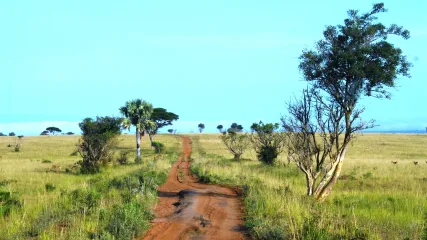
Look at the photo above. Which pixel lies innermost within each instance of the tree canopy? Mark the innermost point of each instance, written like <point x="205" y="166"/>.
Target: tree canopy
<point x="53" y="130"/>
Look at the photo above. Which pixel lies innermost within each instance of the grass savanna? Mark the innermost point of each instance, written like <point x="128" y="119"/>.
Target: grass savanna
<point x="53" y="200"/>
<point x="373" y="199"/>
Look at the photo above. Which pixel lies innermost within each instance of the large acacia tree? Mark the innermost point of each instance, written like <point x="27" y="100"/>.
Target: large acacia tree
<point x="353" y="60"/>
<point x="161" y="117"/>
<point x="137" y="113"/>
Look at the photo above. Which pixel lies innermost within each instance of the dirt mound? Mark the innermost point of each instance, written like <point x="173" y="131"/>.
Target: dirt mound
<point x="188" y="209"/>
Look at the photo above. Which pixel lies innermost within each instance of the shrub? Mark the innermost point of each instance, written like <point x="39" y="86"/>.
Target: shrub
<point x="49" y="187"/>
<point x="8" y="202"/>
<point x="235" y="143"/>
<point x="268" y="142"/>
<point x="46" y="161"/>
<point x="126" y="221"/>
<point x="158" y="147"/>
<point x="85" y="201"/>
<point x="99" y="137"/>
<point x="123" y="158"/>
<point x="12" y="134"/>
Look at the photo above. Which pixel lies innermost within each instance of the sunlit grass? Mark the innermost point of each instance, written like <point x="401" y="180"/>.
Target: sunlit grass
<point x="26" y="173"/>
<point x="374" y="198"/>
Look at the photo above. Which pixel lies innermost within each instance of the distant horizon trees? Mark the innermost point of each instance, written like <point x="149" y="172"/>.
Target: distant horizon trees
<point x="53" y="130"/>
<point x="201" y="127"/>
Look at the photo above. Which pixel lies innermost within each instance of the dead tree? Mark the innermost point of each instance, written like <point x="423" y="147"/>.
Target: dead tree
<point x="317" y="139"/>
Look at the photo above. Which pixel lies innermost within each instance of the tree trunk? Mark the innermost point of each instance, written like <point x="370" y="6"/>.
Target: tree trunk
<point x="310" y="184"/>
<point x="138" y="144"/>
<point x="237" y="157"/>
<point x="323" y="192"/>
<point x="151" y="136"/>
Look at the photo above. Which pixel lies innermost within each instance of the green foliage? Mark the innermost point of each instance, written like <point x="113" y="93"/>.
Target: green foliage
<point x="127" y="221"/>
<point x="123" y="158"/>
<point x="219" y="127"/>
<point x="137" y="113"/>
<point x="161" y="117"/>
<point x="8" y="203"/>
<point x="46" y="161"/>
<point x="12" y="134"/>
<point x="99" y="137"/>
<point x="53" y="130"/>
<point x="44" y="133"/>
<point x="424" y="231"/>
<point x="49" y="187"/>
<point x="268" y="142"/>
<point x="236" y="143"/>
<point x="355" y="58"/>
<point x="158" y="147"/>
<point x="85" y="200"/>
<point x="201" y="127"/>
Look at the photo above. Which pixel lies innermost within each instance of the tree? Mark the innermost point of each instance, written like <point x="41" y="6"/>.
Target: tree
<point x="236" y="143"/>
<point x="53" y="130"/>
<point x="235" y="128"/>
<point x="161" y="118"/>
<point x="170" y="130"/>
<point x="98" y="139"/>
<point x="137" y="113"/>
<point x="2" y="134"/>
<point x="70" y="133"/>
<point x="253" y="126"/>
<point x="219" y="127"/>
<point x="352" y="60"/>
<point x="268" y="141"/>
<point x="201" y="127"/>
<point x="44" y="133"/>
<point x="12" y="134"/>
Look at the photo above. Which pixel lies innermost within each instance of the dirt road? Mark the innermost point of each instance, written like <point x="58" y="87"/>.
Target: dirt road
<point x="188" y="209"/>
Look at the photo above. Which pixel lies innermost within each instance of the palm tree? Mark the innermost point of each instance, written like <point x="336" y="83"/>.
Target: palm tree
<point x="137" y="113"/>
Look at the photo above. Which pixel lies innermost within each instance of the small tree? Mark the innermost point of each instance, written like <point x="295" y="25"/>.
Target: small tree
<point x="2" y="134"/>
<point x="12" y="134"/>
<point x="219" y="127"/>
<point x="235" y="128"/>
<point x="44" y="133"/>
<point x="96" y="144"/>
<point x="137" y="113"/>
<point x="70" y="133"/>
<point x="268" y="141"/>
<point x="352" y="60"/>
<point x="236" y="143"/>
<point x="161" y="118"/>
<point x="53" y="130"/>
<point x="170" y="130"/>
<point x="201" y="127"/>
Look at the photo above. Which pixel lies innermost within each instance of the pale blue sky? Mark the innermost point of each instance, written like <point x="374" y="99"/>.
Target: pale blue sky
<point x="208" y="61"/>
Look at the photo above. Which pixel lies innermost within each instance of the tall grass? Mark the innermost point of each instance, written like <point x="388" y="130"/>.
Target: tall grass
<point x="59" y="203"/>
<point x="374" y="199"/>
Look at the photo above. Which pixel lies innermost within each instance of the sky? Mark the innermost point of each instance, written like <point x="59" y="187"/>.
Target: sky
<point x="215" y="62"/>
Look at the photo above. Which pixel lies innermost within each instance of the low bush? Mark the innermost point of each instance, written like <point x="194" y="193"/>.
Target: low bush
<point x="49" y="187"/>
<point x="158" y="147"/>
<point x="123" y="158"/>
<point x="8" y="203"/>
<point x="46" y="161"/>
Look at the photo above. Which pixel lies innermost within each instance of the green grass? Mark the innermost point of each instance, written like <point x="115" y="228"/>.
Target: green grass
<point x="374" y="199"/>
<point x="61" y="205"/>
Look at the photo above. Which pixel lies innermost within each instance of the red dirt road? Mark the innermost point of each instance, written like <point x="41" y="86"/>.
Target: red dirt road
<point x="188" y="209"/>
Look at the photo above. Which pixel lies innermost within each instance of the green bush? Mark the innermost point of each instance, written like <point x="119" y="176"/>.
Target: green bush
<point x="85" y="201"/>
<point x="99" y="137"/>
<point x="123" y="158"/>
<point x="127" y="221"/>
<point x="8" y="202"/>
<point x="46" y="161"/>
<point x="49" y="187"/>
<point x="158" y="147"/>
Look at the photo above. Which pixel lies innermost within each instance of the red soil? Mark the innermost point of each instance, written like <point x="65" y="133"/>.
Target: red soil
<point x="188" y="209"/>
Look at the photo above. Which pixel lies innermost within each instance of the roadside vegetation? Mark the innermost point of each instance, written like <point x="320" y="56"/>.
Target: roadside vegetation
<point x="44" y="195"/>
<point x="373" y="199"/>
